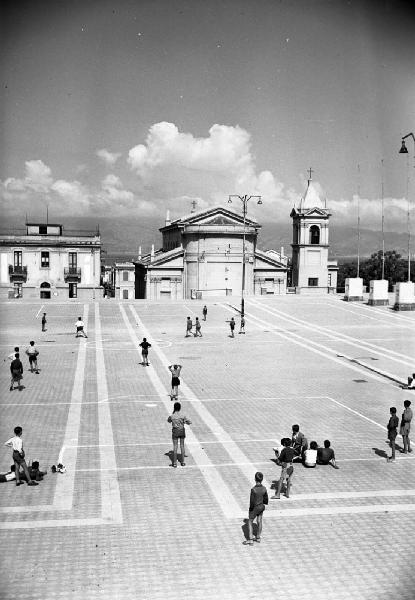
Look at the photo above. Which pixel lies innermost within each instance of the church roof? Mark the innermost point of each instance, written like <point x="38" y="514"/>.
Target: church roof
<point x="216" y="215"/>
<point x="311" y="198"/>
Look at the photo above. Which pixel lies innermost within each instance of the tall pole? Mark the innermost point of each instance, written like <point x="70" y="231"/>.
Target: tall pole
<point x="244" y="202"/>
<point x="358" y="221"/>
<point x="404" y="150"/>
<point x="383" y="223"/>
<point x="244" y="199"/>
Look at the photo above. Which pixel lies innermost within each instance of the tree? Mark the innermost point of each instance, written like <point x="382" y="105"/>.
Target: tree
<point x="394" y="268"/>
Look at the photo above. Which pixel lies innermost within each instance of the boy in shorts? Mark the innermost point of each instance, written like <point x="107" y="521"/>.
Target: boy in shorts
<point x="257" y="502"/>
<point x="392" y="432"/>
<point x="80" y="328"/>
<point x="145" y="345"/>
<point x="286" y="461"/>
<point x="16" y="443"/>
<point x="32" y="353"/>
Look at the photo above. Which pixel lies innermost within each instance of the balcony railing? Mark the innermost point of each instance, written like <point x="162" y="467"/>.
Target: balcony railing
<point x="17" y="273"/>
<point x="72" y="274"/>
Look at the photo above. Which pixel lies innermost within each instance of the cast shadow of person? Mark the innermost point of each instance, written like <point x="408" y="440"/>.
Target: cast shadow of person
<point x="245" y="529"/>
<point x="381" y="453"/>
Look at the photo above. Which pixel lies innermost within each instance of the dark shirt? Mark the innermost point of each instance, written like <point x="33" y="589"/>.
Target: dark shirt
<point x="287" y="455"/>
<point x="392" y="425"/>
<point x="325" y="455"/>
<point x="43" y="320"/>
<point x="259" y="496"/>
<point x="16" y="365"/>
<point x="232" y="324"/>
<point x="145" y="346"/>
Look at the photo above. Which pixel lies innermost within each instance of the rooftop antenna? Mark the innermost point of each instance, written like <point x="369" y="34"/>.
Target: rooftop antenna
<point x="358" y="220"/>
<point x="47" y="214"/>
<point x="383" y="221"/>
<point x="193" y="203"/>
<point x="408" y="219"/>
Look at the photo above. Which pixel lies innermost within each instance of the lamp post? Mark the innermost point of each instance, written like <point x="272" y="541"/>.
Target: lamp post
<point x="404" y="150"/>
<point x="244" y="199"/>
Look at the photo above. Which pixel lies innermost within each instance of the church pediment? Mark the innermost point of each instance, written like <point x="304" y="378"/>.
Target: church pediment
<point x="216" y="216"/>
<point x="315" y="212"/>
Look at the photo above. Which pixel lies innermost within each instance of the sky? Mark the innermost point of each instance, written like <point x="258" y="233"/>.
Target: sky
<point x="127" y="108"/>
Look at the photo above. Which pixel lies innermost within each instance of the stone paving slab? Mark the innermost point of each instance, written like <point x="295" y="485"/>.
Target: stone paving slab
<point x="174" y="540"/>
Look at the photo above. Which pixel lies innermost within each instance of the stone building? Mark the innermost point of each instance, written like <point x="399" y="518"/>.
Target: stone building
<point x="311" y="270"/>
<point x="124" y="280"/>
<point x="45" y="262"/>
<point x="202" y="256"/>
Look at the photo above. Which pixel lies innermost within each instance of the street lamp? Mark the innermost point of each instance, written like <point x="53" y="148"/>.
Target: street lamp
<point x="404" y="150"/>
<point x="244" y="199"/>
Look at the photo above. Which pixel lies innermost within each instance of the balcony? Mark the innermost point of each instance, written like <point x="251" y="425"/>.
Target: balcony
<point x="72" y="274"/>
<point x="18" y="274"/>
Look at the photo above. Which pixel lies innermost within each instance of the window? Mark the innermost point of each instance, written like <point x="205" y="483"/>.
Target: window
<point x="314" y="234"/>
<point x="18" y="258"/>
<point x="313" y="282"/>
<point x="329" y="279"/>
<point x="44" y="260"/>
<point x="125" y="275"/>
<point x="45" y="290"/>
<point x="125" y="294"/>
<point x="43" y="229"/>
<point x="73" y="290"/>
<point x="73" y="260"/>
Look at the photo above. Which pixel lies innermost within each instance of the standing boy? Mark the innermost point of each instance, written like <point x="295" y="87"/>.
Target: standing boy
<point x="189" y="326"/>
<point x="257" y="502"/>
<point x="80" y="328"/>
<point x="232" y="326"/>
<point x="32" y="353"/>
<point x="12" y="356"/>
<point x="145" y="345"/>
<point x="44" y="322"/>
<point x="392" y="432"/>
<point x="406" y="427"/>
<point x="286" y="461"/>
<point x="204" y="312"/>
<point x="198" y="326"/>
<point x="16" y="443"/>
<point x="242" y="327"/>
<point x="16" y="370"/>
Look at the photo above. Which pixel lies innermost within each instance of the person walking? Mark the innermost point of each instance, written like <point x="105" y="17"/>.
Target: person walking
<point x="80" y="328"/>
<point x="178" y="421"/>
<point x="242" y="327"/>
<point x="204" y="311"/>
<point x="198" y="326"/>
<point x="32" y="353"/>
<point x="232" y="326"/>
<point x="405" y="427"/>
<point x="175" y="380"/>
<point x="44" y="322"/>
<point x="257" y="501"/>
<point x="16" y="443"/>
<point x="145" y="345"/>
<point x="16" y="370"/>
<point x="189" y="326"/>
<point x="392" y="432"/>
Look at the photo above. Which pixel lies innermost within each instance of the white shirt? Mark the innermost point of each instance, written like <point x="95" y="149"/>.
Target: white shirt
<point x="310" y="457"/>
<point x="12" y="356"/>
<point x="79" y="324"/>
<point x="15" y="442"/>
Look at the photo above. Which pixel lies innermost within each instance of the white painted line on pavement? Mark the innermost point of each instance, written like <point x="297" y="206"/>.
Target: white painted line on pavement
<point x="39" y="311"/>
<point x="217" y="485"/>
<point x="403" y="359"/>
<point x="332" y="510"/>
<point x="110" y="491"/>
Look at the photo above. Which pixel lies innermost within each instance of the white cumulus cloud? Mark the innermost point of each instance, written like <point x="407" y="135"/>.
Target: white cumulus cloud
<point x="109" y="158"/>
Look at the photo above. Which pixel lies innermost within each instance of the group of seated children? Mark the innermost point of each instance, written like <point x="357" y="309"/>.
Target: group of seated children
<point x="296" y="449"/>
<point x="35" y="473"/>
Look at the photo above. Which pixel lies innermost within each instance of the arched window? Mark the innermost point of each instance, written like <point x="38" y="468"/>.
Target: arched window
<point x="314" y="234"/>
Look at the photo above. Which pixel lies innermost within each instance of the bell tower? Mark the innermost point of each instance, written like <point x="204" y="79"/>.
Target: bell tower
<point x="310" y="244"/>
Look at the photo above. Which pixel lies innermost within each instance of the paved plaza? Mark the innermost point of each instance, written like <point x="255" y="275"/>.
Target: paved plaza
<point x="121" y="523"/>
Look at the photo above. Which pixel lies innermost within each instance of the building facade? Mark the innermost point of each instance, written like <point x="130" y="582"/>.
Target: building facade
<point x="46" y="263"/>
<point x="311" y="270"/>
<point x="202" y="256"/>
<point x="124" y="280"/>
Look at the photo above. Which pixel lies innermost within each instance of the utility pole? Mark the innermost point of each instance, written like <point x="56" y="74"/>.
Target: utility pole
<point x="244" y="199"/>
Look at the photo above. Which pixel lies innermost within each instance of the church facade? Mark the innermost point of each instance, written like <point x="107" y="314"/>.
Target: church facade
<point x="312" y="272"/>
<point x="202" y="256"/>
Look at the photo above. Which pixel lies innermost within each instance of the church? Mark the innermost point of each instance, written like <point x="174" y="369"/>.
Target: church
<point x="214" y="252"/>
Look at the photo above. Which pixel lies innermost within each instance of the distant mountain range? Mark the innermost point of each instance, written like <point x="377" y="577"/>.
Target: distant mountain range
<point x="121" y="237"/>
